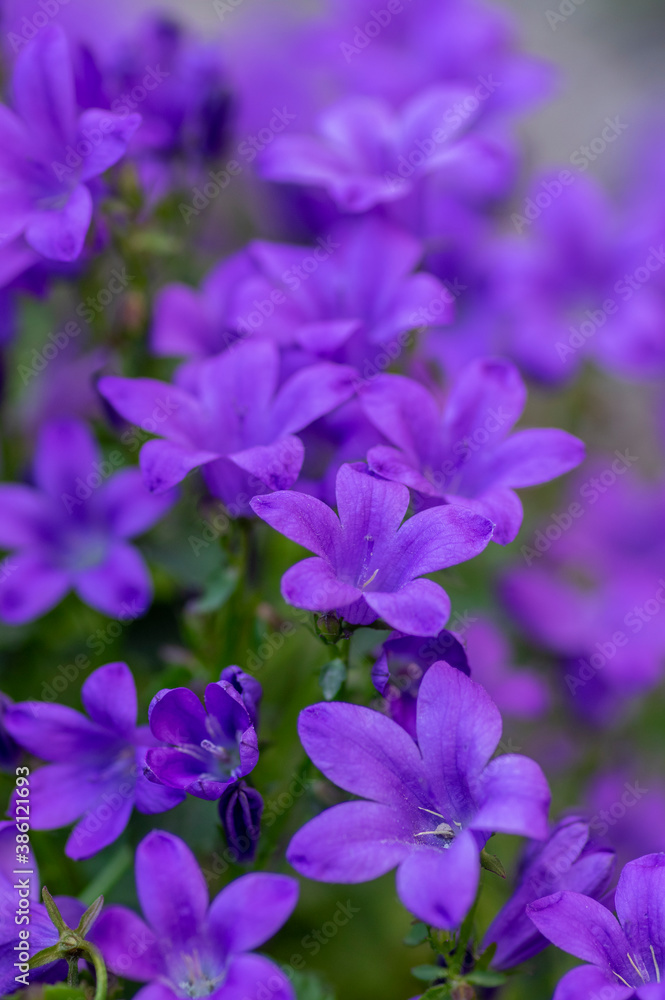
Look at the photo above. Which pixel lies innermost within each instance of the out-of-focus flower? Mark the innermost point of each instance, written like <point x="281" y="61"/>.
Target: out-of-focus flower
<point x="95" y="775"/>
<point x="628" y="810"/>
<point x="240" y="810"/>
<point x="570" y="859"/>
<point x="431" y="806"/>
<point x="366" y="565"/>
<point x="71" y="530"/>
<point x="190" y="947"/>
<point x="626" y="956"/>
<point x="229" y="416"/>
<point x="516" y="692"/>
<point x="50" y="152"/>
<point x="466" y="455"/>
<point x="207" y="749"/>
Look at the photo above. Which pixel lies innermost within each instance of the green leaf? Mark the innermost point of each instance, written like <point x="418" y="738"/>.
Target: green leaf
<point x="437" y="993"/>
<point x="60" y="991"/>
<point x="483" y="977"/>
<point x="217" y="592"/>
<point x="53" y="911"/>
<point x="417" y="935"/>
<point x="308" y="986"/>
<point x="428" y="973"/>
<point x="491" y="863"/>
<point x="331" y="678"/>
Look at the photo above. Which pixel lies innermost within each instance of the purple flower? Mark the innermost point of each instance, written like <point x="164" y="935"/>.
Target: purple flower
<point x="431" y="806"/>
<point x="230" y="417"/>
<point x="626" y="956"/>
<point x="341" y="298"/>
<point x="240" y="810"/>
<point x="366" y="565"/>
<point x="190" y="948"/>
<point x="520" y="693"/>
<point x="466" y="455"/>
<point x="50" y="152"/>
<point x="71" y="530"/>
<point x="208" y="748"/>
<point x="401" y="665"/>
<point x="248" y="688"/>
<point x="365" y="153"/>
<point x="628" y="813"/>
<point x="96" y="770"/>
<point x="570" y="859"/>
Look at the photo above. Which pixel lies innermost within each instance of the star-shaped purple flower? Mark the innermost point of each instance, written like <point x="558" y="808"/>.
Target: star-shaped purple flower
<point x="188" y="947"/>
<point x="366" y="565"/>
<point x="208" y="748"/>
<point x="365" y="153"/>
<point x="49" y="152"/>
<point x="229" y="415"/>
<point x="431" y="805"/>
<point x="569" y="859"/>
<point x="95" y="775"/>
<point x="71" y="530"/>
<point x="466" y="455"/>
<point x="626" y="956"/>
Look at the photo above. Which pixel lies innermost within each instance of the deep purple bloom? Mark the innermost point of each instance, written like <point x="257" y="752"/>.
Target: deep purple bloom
<point x="249" y="689"/>
<point x="50" y="152"/>
<point x="626" y="956"/>
<point x="365" y="153"/>
<point x="95" y="774"/>
<point x="570" y="859"/>
<point x="342" y="298"/>
<point x="240" y="810"/>
<point x="466" y="454"/>
<point x="431" y="806"/>
<point x="231" y="417"/>
<point x="70" y="530"/>
<point x="208" y="748"/>
<point x="401" y="665"/>
<point x="191" y="948"/>
<point x="366" y="565"/>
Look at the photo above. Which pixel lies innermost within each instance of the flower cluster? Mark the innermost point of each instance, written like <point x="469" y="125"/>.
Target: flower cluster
<point x="320" y="352"/>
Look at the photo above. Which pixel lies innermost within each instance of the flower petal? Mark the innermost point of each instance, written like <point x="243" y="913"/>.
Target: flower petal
<point x="312" y="584"/>
<point x="487" y="389"/>
<point x="584" y="928"/>
<point x="311" y="393"/>
<point x="250" y="910"/>
<point x="29" y="587"/>
<point x="276" y="466"/>
<point x="514" y="797"/>
<point x="304" y="519"/>
<point x="421" y="607"/>
<point x="129" y="507"/>
<point x="177" y="716"/>
<point x="255" y="976"/>
<point x="129" y="947"/>
<point x="405" y="412"/>
<point x="103" y="823"/>
<point x="171" y="890"/>
<point x="437" y="538"/>
<point x="640" y="905"/>
<point x="459" y="727"/>
<point x="23" y="511"/>
<point x="66" y="450"/>
<point x="59" y="234"/>
<point x="43" y="85"/>
<point x="77" y="790"/>
<point x="165" y="463"/>
<point x="363" y="752"/>
<point x="56" y="732"/>
<point x="109" y="697"/>
<point x="536" y="456"/>
<point x="120" y="586"/>
<point x="107" y="134"/>
<point x="439" y="886"/>
<point x="351" y="842"/>
<point x="589" y="983"/>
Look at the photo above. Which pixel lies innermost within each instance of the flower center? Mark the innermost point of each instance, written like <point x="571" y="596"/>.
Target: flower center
<point x="443" y="831"/>
<point x="197" y="982"/>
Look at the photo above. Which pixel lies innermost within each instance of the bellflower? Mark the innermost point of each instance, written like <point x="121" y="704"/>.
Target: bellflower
<point x="466" y="454"/>
<point x="626" y="956"/>
<point x="50" y="152"/>
<point x="191" y="948"/>
<point x="230" y="417"/>
<point x="568" y="860"/>
<point x="628" y="813"/>
<point x="365" y="153"/>
<point x="95" y="770"/>
<point x="366" y="565"/>
<point x="352" y="291"/>
<point x="208" y="748"/>
<point x="516" y="692"/>
<point x="427" y="808"/>
<point x="401" y="665"/>
<point x="71" y="530"/>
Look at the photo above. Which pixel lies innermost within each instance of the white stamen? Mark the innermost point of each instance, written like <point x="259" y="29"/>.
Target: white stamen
<point x="632" y="962"/>
<point x="621" y="978"/>
<point x="655" y="963"/>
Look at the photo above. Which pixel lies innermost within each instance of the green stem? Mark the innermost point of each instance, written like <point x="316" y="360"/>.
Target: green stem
<point x="73" y="972"/>
<point x="100" y="971"/>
